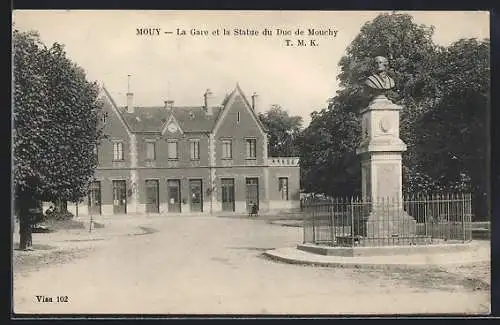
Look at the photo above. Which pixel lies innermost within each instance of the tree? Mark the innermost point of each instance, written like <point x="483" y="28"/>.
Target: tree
<point x="411" y="53"/>
<point x="56" y="113"/>
<point x="327" y="161"/>
<point x="452" y="138"/>
<point x="284" y="131"/>
<point x="444" y="93"/>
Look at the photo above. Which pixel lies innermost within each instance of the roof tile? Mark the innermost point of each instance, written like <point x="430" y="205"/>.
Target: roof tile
<point x="153" y="119"/>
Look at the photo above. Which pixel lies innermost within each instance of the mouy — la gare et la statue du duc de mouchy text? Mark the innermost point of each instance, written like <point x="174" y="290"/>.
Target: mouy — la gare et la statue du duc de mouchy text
<point x="238" y="32"/>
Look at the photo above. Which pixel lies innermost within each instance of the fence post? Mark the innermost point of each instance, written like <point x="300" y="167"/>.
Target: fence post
<point x="303" y="224"/>
<point x="332" y="222"/>
<point x="463" y="216"/>
<point x="352" y="221"/>
<point x="313" y="227"/>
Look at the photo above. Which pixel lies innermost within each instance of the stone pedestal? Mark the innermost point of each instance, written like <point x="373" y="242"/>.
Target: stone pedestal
<point x="381" y="172"/>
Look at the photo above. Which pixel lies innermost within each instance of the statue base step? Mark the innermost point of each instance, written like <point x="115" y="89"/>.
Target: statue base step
<point x="360" y="241"/>
<point x="386" y="223"/>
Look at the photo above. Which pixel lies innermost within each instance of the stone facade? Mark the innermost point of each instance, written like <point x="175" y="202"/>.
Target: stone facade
<point x="381" y="172"/>
<point x="188" y="160"/>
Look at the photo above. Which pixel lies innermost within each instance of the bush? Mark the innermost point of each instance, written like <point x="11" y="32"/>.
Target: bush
<point x="59" y="215"/>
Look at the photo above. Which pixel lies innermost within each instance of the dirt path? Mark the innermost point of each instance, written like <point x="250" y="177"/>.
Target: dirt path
<point x="214" y="265"/>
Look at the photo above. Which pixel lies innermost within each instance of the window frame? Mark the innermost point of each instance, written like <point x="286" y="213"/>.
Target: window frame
<point x="169" y="142"/>
<point x="104" y="117"/>
<point x="194" y="147"/>
<point x="148" y="143"/>
<point x="96" y="152"/>
<point x="248" y="148"/>
<point x="224" y="142"/>
<point x="280" y="188"/>
<point x="115" y="150"/>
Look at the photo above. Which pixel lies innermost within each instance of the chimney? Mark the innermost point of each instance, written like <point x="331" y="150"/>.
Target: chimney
<point x="130" y="97"/>
<point x="130" y="102"/>
<point x="169" y="104"/>
<point x="255" y="99"/>
<point x="209" y="102"/>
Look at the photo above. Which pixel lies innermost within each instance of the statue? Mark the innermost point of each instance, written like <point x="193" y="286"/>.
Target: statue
<point x="380" y="80"/>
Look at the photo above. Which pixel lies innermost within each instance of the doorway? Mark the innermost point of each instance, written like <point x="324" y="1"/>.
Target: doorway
<point x="196" y="196"/>
<point x="227" y="186"/>
<point x="95" y="198"/>
<point x="119" y="197"/>
<point x="252" y="193"/>
<point x="174" y="195"/>
<point x="152" y="204"/>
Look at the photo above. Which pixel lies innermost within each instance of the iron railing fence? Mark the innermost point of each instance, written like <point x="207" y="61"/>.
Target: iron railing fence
<point x="412" y="220"/>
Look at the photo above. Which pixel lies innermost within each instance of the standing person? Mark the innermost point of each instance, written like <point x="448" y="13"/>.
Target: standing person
<point x="255" y="209"/>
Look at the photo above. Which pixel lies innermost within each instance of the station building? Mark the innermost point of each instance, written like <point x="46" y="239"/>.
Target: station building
<point x="168" y="159"/>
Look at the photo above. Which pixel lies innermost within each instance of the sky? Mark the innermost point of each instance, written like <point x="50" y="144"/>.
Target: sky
<point x="181" y="67"/>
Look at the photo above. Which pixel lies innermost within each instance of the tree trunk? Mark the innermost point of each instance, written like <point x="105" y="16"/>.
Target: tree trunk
<point x="25" y="236"/>
<point x="62" y="206"/>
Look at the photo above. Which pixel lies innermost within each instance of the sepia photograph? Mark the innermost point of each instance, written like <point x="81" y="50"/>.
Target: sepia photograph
<point x="204" y="162"/>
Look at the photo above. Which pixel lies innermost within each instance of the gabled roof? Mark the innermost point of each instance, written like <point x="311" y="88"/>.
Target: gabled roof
<point x="189" y="118"/>
<point x="229" y="100"/>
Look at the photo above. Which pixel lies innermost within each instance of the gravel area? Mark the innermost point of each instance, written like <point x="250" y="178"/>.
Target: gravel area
<point x="200" y="265"/>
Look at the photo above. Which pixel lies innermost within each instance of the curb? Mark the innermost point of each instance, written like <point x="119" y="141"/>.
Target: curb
<point x="273" y="255"/>
<point x="143" y="230"/>
<point x="286" y="223"/>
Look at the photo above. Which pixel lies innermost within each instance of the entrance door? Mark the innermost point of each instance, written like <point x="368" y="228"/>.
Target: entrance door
<point x="174" y="195"/>
<point x="227" y="186"/>
<point x="252" y="192"/>
<point x="119" y="197"/>
<point x="196" y="197"/>
<point x="152" y="196"/>
<point x="95" y="198"/>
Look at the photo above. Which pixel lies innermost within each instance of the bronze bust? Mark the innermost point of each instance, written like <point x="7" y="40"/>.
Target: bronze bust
<point x="380" y="80"/>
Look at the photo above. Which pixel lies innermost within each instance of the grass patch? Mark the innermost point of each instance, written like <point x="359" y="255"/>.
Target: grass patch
<point x="63" y="224"/>
<point x="33" y="261"/>
<point x="42" y="247"/>
<point x="148" y="230"/>
<point x="97" y="225"/>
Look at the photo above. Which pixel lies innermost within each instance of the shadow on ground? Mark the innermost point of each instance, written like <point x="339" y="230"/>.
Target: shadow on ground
<point x="473" y="277"/>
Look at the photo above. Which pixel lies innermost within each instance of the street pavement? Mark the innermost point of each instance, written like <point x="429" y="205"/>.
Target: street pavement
<point x="215" y="265"/>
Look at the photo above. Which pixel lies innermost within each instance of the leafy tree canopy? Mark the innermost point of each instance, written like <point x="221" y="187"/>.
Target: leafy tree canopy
<point x="283" y="131"/>
<point x="56" y="122"/>
<point x="444" y="93"/>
